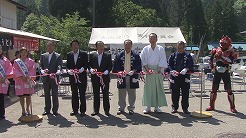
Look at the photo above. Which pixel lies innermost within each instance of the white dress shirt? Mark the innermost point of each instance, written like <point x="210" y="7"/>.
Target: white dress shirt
<point x="99" y="58"/>
<point x="50" y="56"/>
<point x="75" y="56"/>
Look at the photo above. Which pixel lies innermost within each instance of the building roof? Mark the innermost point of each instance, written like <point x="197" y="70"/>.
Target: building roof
<point x="22" y="33"/>
<point x="234" y="45"/>
<point x="18" y="5"/>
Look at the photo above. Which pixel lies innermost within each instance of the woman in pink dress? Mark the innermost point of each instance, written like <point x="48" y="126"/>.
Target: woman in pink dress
<point x="6" y="72"/>
<point x="24" y="72"/>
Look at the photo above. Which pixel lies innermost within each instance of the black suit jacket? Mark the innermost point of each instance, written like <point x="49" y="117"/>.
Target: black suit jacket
<point x="53" y="66"/>
<point x="82" y="61"/>
<point x="106" y="64"/>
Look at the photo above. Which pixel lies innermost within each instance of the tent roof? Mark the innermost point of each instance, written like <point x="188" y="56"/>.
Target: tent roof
<point x="136" y="34"/>
<point x="22" y="33"/>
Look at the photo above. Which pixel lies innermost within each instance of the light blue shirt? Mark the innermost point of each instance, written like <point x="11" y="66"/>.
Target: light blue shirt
<point x="99" y="58"/>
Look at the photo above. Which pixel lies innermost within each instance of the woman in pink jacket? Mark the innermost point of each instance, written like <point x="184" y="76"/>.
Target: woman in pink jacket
<point x="24" y="72"/>
<point x="6" y="71"/>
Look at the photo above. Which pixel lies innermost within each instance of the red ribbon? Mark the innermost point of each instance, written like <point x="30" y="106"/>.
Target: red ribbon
<point x="99" y="74"/>
<point x="120" y="76"/>
<point x="53" y="76"/>
<point x="150" y="71"/>
<point x="142" y="73"/>
<point x="75" y="74"/>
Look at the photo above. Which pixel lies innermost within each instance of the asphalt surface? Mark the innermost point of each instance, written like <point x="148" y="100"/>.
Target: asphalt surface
<point x="223" y="123"/>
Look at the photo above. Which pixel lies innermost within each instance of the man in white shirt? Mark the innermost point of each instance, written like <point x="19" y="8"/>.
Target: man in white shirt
<point x="154" y="62"/>
<point x="50" y="62"/>
<point x="100" y="62"/>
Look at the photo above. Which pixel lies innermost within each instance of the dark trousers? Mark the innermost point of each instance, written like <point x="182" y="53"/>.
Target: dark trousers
<point x="179" y="83"/>
<point x="2" y="108"/>
<point x="12" y="82"/>
<point x="48" y="86"/>
<point x="96" y="92"/>
<point x="76" y="96"/>
<point x="226" y="79"/>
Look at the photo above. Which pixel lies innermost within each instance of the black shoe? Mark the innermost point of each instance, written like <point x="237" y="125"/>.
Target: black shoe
<point x="94" y="113"/>
<point x="120" y="112"/>
<point x="55" y="113"/>
<point x="73" y="113"/>
<point x="131" y="112"/>
<point x="45" y="113"/>
<point x="2" y="117"/>
<point x="107" y="114"/>
<point x="82" y="114"/>
<point x="186" y="112"/>
<point x="174" y="111"/>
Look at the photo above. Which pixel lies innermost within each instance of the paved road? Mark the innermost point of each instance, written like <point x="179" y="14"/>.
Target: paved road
<point x="222" y="124"/>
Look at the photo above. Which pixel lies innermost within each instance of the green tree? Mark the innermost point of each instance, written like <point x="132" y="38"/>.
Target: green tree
<point x="229" y="18"/>
<point x="176" y="12"/>
<point x="159" y="6"/>
<point x="199" y="25"/>
<point x="240" y="11"/>
<point x="215" y="22"/>
<point x="126" y="13"/>
<point x="60" y="8"/>
<point x="103" y="11"/>
<point x="66" y="29"/>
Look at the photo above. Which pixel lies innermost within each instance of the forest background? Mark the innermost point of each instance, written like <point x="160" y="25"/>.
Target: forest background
<point x="73" y="19"/>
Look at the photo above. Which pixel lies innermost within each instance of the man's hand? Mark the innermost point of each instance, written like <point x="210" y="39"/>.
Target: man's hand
<point x="174" y="73"/>
<point x="44" y="72"/>
<point x="105" y="72"/>
<point x="70" y="72"/>
<point x="183" y="72"/>
<point x="81" y="70"/>
<point x="131" y="72"/>
<point x="58" y="72"/>
<point x="92" y="71"/>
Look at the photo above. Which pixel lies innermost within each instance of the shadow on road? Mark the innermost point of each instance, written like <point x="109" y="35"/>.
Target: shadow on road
<point x="5" y="125"/>
<point x="59" y="121"/>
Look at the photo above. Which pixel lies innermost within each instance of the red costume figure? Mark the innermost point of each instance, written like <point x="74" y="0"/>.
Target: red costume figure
<point x="222" y="56"/>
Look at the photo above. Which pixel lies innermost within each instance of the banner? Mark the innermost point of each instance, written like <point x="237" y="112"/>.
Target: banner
<point x="30" y="43"/>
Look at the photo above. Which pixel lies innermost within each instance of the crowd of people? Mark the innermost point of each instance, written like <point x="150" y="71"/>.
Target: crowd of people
<point x="129" y="67"/>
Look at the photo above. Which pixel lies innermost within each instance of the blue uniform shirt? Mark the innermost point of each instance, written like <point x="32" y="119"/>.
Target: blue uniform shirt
<point x="178" y="61"/>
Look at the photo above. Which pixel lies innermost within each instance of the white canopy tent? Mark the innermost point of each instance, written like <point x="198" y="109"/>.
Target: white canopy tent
<point x="115" y="37"/>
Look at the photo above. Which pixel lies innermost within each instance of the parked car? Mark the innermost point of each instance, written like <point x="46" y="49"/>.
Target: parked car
<point x="204" y="64"/>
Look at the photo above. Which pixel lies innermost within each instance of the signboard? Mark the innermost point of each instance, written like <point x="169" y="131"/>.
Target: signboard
<point x="30" y="43"/>
<point x="6" y="42"/>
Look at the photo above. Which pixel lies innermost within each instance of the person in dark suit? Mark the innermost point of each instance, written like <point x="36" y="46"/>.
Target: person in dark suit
<point x="77" y="61"/>
<point x="50" y="62"/>
<point x="100" y="62"/>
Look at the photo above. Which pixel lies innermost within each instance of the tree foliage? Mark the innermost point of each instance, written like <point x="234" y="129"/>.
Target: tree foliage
<point x="60" y="8"/>
<point x="240" y="11"/>
<point x="195" y="17"/>
<point x="66" y="29"/>
<point x="123" y="15"/>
